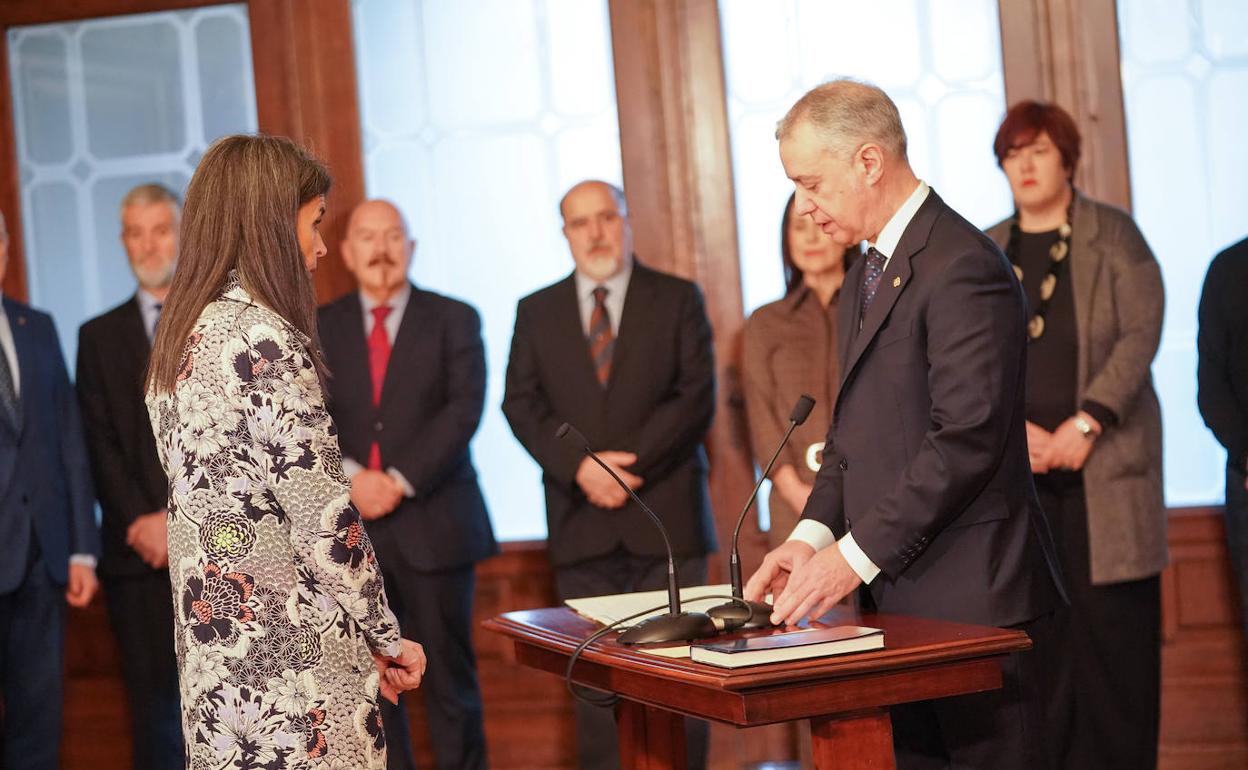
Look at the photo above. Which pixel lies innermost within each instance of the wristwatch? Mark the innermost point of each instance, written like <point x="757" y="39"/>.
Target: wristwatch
<point x="1085" y="428"/>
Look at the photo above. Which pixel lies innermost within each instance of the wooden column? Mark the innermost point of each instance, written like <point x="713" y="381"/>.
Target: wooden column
<point x="678" y="177"/>
<point x="1066" y="52"/>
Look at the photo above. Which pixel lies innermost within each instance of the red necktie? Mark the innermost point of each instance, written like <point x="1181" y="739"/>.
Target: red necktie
<point x="378" y="358"/>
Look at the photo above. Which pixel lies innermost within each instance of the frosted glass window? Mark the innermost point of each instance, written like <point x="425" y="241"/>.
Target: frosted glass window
<point x="99" y="107"/>
<point x="1185" y="89"/>
<point x="941" y="65"/>
<point x="476" y="118"/>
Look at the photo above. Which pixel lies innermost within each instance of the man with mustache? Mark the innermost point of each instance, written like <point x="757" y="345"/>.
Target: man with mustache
<point x="623" y="353"/>
<point x="132" y="488"/>
<point x="407" y="390"/>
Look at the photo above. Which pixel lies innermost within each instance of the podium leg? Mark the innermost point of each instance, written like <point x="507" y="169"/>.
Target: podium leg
<point x="650" y="738"/>
<point x="862" y="740"/>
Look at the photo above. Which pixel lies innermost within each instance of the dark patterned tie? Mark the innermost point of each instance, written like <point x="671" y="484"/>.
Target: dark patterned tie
<point x="601" y="340"/>
<point x="10" y="406"/>
<point x="873" y="269"/>
<point x="156" y="321"/>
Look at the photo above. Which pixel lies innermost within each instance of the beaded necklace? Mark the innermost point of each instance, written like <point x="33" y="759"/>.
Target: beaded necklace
<point x="1058" y="254"/>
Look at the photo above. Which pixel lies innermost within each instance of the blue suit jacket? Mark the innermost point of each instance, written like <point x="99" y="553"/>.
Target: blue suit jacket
<point x="45" y="478"/>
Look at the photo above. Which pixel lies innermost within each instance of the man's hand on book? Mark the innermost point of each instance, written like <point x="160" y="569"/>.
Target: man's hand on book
<point x="777" y="567"/>
<point x="815" y="586"/>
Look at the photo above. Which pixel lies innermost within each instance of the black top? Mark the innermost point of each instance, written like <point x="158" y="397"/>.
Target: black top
<point x="1222" y="341"/>
<point x="1052" y="360"/>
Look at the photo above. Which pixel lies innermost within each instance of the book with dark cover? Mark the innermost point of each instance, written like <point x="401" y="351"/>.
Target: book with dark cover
<point x="788" y="645"/>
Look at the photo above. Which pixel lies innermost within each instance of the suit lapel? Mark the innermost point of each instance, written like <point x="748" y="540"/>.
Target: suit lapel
<point x="405" y="339"/>
<point x="352" y="377"/>
<point x="568" y="334"/>
<point x="23" y="345"/>
<point x="1084" y="264"/>
<point x="134" y="335"/>
<point x="892" y="283"/>
<point x="633" y="320"/>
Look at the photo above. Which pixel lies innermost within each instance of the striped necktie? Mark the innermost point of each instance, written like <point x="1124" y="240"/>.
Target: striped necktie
<point x="601" y="339"/>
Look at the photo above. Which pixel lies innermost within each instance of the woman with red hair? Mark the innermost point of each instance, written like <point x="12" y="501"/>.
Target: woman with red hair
<point x="1094" y="311"/>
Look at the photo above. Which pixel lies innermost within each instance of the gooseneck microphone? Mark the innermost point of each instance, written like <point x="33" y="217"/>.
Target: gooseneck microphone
<point x="740" y="613"/>
<point x="675" y="625"/>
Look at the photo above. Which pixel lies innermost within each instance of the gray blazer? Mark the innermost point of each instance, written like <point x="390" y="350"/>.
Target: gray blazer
<point x="1119" y="303"/>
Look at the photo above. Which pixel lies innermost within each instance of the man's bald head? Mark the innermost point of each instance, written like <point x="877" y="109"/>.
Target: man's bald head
<point x="593" y="184"/>
<point x="377" y="249"/>
<point x="595" y="222"/>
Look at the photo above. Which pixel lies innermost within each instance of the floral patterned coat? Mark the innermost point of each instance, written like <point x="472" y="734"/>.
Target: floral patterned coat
<point x="278" y="599"/>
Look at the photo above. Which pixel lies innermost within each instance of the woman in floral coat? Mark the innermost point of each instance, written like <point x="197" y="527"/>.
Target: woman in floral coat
<point x="283" y="633"/>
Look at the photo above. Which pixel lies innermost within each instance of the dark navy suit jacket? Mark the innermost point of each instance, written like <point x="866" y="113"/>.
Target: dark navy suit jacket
<point x="45" y="478"/>
<point x="926" y="460"/>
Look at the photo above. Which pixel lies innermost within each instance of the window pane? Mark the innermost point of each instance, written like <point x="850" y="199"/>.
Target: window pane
<point x="476" y="118"/>
<point x="1185" y="89"/>
<point x="942" y="67"/>
<point x="99" y="107"/>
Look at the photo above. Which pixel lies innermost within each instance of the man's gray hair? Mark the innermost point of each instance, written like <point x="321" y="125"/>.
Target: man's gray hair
<point x="615" y="191"/>
<point x="148" y="194"/>
<point x="848" y="113"/>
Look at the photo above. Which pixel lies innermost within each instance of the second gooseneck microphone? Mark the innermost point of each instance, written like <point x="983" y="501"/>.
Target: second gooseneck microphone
<point x="740" y="613"/>
<point x="675" y="625"/>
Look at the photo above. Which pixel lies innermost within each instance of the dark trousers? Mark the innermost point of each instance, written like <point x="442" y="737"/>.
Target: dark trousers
<point x="32" y="658"/>
<point x="1111" y="636"/>
<point x="1001" y="729"/>
<point x="435" y="609"/>
<point x="597" y="743"/>
<point x="1237" y="537"/>
<point x="140" y="608"/>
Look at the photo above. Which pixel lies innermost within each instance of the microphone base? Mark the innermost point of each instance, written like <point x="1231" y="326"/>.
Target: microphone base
<point x="670" y="628"/>
<point x="742" y="614"/>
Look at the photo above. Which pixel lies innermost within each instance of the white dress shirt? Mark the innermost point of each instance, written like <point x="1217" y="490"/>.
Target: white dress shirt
<point x="617" y="289"/>
<point x="817" y="534"/>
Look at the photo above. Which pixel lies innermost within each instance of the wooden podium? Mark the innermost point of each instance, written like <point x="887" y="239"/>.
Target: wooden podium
<point x="846" y="697"/>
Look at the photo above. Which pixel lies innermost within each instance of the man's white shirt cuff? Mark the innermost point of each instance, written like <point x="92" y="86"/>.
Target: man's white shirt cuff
<point x="85" y="559"/>
<point x="818" y="536"/>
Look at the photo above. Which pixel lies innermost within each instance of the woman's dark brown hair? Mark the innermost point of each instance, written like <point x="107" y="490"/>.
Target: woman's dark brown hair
<point x="793" y="275"/>
<point x="1027" y="120"/>
<point x="240" y="214"/>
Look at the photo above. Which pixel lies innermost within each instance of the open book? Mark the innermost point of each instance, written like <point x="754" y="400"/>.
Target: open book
<point x="609" y="609"/>
<point x="788" y="645"/>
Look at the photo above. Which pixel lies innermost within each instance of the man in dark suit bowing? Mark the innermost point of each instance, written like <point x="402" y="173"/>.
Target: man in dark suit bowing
<point x="407" y="389"/>
<point x="623" y="353"/>
<point x="48" y="540"/>
<point x="132" y="487"/>
<point x="925" y="492"/>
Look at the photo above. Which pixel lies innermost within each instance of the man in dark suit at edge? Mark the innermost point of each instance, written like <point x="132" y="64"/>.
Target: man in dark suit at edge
<point x="133" y="490"/>
<point x="49" y="543"/>
<point x="925" y="492"/>
<point x="407" y="390"/>
<point x="623" y="353"/>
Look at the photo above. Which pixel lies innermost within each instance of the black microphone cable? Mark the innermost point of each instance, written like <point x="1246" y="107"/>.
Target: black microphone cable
<point x="611" y="700"/>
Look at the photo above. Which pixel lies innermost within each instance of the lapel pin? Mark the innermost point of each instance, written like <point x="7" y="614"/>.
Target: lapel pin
<point x="896" y="281"/>
<point x="21" y="320"/>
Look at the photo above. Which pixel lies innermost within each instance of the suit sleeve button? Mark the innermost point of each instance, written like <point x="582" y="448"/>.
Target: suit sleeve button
<point x="844" y="464"/>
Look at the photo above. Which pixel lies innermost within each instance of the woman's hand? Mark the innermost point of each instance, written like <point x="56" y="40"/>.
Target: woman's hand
<point x="400" y="674"/>
<point x="792" y="489"/>
<point x="1069" y="448"/>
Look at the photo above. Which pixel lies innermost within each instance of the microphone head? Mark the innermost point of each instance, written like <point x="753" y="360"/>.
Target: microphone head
<point x="801" y="410"/>
<point x="569" y="433"/>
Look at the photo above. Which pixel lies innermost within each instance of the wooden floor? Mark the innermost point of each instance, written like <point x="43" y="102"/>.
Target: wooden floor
<point x="529" y="715"/>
